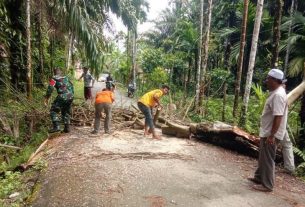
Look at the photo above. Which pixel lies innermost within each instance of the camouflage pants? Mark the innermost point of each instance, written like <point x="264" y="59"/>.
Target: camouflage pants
<point x="63" y="106"/>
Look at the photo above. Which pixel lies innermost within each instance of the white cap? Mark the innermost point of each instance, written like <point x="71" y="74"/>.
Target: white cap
<point x="276" y="73"/>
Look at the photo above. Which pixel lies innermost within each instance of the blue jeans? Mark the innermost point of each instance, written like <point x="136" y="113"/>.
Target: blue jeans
<point x="148" y="115"/>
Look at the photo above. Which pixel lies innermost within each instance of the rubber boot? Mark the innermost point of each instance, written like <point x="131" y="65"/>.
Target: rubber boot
<point x="67" y="128"/>
<point x="55" y="128"/>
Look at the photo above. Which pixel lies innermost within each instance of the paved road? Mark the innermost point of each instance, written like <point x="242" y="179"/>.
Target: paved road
<point x="128" y="169"/>
<point x="121" y="99"/>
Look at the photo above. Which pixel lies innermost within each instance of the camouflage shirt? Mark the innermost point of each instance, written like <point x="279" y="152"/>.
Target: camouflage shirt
<point x="63" y="86"/>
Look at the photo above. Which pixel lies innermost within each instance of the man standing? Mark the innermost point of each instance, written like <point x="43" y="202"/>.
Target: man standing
<point x="109" y="78"/>
<point x="62" y="102"/>
<point x="103" y="102"/>
<point x="88" y="83"/>
<point x="288" y="157"/>
<point x="146" y="103"/>
<point x="272" y="131"/>
<point x="287" y="150"/>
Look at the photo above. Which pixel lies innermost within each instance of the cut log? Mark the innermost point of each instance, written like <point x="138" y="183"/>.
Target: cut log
<point x="180" y="130"/>
<point x="158" y="111"/>
<point x="168" y="130"/>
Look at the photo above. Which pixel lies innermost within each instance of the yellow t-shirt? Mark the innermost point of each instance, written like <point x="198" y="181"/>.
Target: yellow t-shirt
<point x="148" y="98"/>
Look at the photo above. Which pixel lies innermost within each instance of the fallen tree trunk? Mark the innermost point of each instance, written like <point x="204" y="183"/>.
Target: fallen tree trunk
<point x="296" y="93"/>
<point x="217" y="133"/>
<point x="227" y="136"/>
<point x="176" y="130"/>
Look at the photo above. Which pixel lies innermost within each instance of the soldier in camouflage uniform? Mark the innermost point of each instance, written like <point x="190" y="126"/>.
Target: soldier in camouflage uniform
<point x="62" y="102"/>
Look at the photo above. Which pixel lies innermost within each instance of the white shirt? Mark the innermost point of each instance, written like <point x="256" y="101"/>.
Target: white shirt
<point x="276" y="105"/>
<point x="88" y="79"/>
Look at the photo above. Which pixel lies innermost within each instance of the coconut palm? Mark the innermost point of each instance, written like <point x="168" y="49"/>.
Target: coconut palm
<point x="297" y="44"/>
<point x="259" y="13"/>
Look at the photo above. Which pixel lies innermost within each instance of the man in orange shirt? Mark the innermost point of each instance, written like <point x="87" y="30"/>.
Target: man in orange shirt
<point x="146" y="103"/>
<point x="103" y="102"/>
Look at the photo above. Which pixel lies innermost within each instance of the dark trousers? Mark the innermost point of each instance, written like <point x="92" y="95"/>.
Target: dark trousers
<point x="88" y="93"/>
<point x="265" y="171"/>
<point x="148" y="115"/>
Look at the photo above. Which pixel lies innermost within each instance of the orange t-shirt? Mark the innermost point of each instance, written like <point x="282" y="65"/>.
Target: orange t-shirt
<point x="104" y="97"/>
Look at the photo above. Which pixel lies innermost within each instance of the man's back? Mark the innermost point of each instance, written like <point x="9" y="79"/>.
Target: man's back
<point x="105" y="96"/>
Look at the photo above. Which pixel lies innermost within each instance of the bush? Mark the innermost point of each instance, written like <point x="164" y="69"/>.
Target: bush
<point x="10" y="183"/>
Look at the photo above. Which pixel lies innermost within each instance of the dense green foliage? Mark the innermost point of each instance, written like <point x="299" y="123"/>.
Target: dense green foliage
<point x="67" y="34"/>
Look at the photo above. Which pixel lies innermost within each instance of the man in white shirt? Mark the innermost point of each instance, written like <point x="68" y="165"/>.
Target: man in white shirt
<point x="88" y="83"/>
<point x="272" y="131"/>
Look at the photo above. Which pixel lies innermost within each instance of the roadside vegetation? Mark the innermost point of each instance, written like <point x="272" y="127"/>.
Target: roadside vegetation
<point x="196" y="47"/>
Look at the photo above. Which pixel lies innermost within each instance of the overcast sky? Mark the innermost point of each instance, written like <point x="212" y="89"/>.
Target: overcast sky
<point x="156" y="6"/>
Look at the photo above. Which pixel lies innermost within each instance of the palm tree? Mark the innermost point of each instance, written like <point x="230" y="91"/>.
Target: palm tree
<point x="276" y="32"/>
<point x="291" y="11"/>
<point x="296" y="41"/>
<point x="85" y="21"/>
<point x="28" y="50"/>
<point x="259" y="13"/>
<point x="205" y="51"/>
<point x="240" y="57"/>
<point x="199" y="74"/>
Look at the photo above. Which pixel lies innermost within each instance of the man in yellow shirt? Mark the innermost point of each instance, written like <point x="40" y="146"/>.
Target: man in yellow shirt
<point x="146" y="103"/>
<point x="103" y="102"/>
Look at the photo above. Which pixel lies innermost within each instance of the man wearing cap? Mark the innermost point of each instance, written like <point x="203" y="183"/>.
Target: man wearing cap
<point x="272" y="130"/>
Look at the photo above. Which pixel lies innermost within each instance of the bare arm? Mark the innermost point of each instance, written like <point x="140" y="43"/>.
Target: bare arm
<point x="81" y="77"/>
<point x="156" y="99"/>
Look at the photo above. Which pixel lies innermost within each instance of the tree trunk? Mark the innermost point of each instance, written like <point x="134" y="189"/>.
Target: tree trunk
<point x="296" y="93"/>
<point x="288" y="35"/>
<point x="188" y="80"/>
<point x="276" y="32"/>
<point x="28" y="50"/>
<point x="258" y="18"/>
<point x="205" y="52"/>
<point x="226" y="64"/>
<point x="69" y="51"/>
<point x="134" y="57"/>
<point x="224" y="102"/>
<point x="198" y="74"/>
<point x="241" y="57"/>
<point x="41" y="71"/>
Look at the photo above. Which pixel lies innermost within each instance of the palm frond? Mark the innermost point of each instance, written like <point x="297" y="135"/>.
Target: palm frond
<point x="226" y="32"/>
<point x="296" y="66"/>
<point x="235" y="52"/>
<point x="301" y="154"/>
